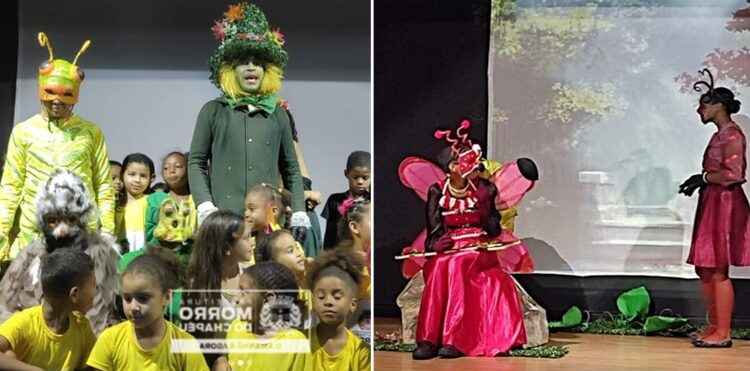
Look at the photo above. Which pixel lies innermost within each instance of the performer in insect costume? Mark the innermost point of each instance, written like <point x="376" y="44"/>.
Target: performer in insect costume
<point x="63" y="210"/>
<point x="463" y="219"/>
<point x="54" y="138"/>
<point x="246" y="134"/>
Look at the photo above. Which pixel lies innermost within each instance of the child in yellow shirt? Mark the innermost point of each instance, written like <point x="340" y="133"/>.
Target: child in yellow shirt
<point x="137" y="176"/>
<point x="146" y="341"/>
<point x="334" y="278"/>
<point x="54" y="335"/>
<point x="355" y="233"/>
<point x="275" y="346"/>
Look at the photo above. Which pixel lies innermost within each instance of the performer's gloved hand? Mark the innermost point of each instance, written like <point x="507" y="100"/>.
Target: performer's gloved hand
<point x="299" y="224"/>
<point x="445" y="242"/>
<point x="204" y="210"/>
<point x="691" y="184"/>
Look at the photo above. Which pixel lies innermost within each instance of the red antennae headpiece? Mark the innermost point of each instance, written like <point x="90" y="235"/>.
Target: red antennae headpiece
<point x="469" y="159"/>
<point x="464" y="137"/>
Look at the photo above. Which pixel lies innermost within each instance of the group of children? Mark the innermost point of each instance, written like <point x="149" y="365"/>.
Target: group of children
<point x="169" y="264"/>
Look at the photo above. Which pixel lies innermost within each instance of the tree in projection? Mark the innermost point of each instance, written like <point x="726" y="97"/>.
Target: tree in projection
<point x="536" y="44"/>
<point x="557" y="81"/>
<point x="728" y="65"/>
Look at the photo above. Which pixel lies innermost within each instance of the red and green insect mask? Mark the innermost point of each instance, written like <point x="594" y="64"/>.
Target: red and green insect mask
<point x="58" y="78"/>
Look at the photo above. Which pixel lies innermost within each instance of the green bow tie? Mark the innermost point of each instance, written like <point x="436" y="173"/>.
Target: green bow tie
<point x="265" y="102"/>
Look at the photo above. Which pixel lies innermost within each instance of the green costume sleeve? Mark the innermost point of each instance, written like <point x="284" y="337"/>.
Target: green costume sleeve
<point x="290" y="167"/>
<point x="200" y="153"/>
<point x="14" y="176"/>
<point x="153" y="201"/>
<point x="102" y="183"/>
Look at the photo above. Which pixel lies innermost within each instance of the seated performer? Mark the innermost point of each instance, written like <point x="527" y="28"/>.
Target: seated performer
<point x="470" y="305"/>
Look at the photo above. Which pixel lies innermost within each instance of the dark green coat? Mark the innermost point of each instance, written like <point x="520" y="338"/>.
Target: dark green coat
<point x="244" y="149"/>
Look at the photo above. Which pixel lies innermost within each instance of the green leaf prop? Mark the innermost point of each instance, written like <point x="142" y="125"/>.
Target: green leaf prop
<point x="661" y="323"/>
<point x="572" y="317"/>
<point x="634" y="303"/>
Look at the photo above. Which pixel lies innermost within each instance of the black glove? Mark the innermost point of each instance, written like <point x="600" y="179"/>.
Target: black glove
<point x="691" y="184"/>
<point x="445" y="242"/>
<point x="298" y="233"/>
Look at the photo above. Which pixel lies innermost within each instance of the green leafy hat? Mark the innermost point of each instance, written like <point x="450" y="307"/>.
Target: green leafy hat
<point x="244" y="32"/>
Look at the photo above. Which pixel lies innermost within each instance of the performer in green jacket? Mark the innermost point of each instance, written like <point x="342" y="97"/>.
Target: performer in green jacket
<point x="245" y="134"/>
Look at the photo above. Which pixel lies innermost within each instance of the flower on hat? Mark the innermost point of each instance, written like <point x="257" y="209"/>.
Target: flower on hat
<point x="218" y="30"/>
<point x="278" y="37"/>
<point x="235" y="13"/>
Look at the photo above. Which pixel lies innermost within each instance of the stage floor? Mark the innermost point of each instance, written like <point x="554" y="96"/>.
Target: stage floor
<point x="587" y="352"/>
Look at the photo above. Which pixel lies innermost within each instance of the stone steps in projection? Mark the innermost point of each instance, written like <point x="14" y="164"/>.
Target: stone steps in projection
<point x="639" y="230"/>
<point x="613" y="211"/>
<point x="640" y="252"/>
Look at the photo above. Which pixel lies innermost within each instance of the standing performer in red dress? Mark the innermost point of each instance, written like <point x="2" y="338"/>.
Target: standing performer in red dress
<point x="721" y="234"/>
<point x="469" y="305"/>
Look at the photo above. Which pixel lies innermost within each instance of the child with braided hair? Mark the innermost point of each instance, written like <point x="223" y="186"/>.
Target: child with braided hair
<point x="146" y="340"/>
<point x="266" y="208"/>
<point x="354" y="233"/>
<point x="334" y="279"/>
<point x="268" y="287"/>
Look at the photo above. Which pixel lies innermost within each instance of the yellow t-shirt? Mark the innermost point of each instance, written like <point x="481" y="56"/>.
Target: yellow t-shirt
<point x="34" y="343"/>
<point x="354" y="357"/>
<point x="268" y="361"/>
<point x="118" y="349"/>
<point x="135" y="223"/>
<point x="364" y="289"/>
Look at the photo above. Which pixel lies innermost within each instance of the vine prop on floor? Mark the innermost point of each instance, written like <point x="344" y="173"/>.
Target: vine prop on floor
<point x="633" y="319"/>
<point x="393" y="342"/>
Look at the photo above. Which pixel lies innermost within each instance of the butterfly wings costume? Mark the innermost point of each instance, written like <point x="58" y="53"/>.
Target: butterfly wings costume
<point x="465" y="276"/>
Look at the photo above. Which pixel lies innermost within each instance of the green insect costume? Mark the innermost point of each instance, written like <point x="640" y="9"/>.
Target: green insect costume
<point x="38" y="146"/>
<point x="169" y="224"/>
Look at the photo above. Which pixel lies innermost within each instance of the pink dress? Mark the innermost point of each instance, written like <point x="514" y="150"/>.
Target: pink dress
<point x="469" y="301"/>
<point x="721" y="233"/>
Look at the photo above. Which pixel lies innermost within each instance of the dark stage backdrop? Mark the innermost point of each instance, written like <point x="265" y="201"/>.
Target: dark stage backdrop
<point x="8" y="57"/>
<point x="430" y="72"/>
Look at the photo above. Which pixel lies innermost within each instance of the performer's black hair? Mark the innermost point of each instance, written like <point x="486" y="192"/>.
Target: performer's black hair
<point x="716" y="95"/>
<point x="448" y="155"/>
